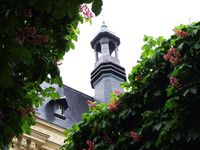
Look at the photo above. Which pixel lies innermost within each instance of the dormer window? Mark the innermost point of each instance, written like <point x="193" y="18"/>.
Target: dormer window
<point x="60" y="106"/>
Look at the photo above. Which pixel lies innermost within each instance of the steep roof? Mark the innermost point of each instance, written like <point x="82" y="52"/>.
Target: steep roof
<point x="75" y="103"/>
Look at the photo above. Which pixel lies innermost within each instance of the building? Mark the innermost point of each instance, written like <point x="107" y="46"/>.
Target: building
<point x="53" y="117"/>
<point x="107" y="74"/>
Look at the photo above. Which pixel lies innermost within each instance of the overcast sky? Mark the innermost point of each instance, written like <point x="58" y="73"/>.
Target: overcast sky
<point x="130" y="20"/>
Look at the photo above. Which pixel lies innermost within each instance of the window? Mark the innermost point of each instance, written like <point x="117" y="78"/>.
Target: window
<point x="60" y="110"/>
<point x="60" y="107"/>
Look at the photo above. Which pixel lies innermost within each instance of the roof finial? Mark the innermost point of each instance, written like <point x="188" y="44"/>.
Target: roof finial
<point x="104" y="26"/>
<point x="103" y="23"/>
<point x="103" y="19"/>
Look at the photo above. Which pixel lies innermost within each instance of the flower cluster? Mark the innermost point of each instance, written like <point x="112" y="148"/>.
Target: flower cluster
<point x="90" y="144"/>
<point x="24" y="12"/>
<point x="174" y="82"/>
<point x="30" y="32"/>
<point x="39" y="39"/>
<point x="181" y="33"/>
<point x="86" y="11"/>
<point x="26" y="32"/>
<point x="117" y="92"/>
<point x="135" y="136"/>
<point x="113" y="106"/>
<point x="107" y="139"/>
<point x="173" y="56"/>
<point x="91" y="104"/>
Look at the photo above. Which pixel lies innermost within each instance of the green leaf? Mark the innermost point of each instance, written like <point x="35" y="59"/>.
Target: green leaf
<point x="157" y="126"/>
<point x="77" y="31"/>
<point x="122" y="139"/>
<point x="88" y="1"/>
<point x="96" y="7"/>
<point x="60" y="10"/>
<point x="177" y="137"/>
<point x="124" y="114"/>
<point x="170" y="90"/>
<point x="172" y="42"/>
<point x="157" y="93"/>
<point x="6" y="78"/>
<point x="74" y="37"/>
<point x="145" y="38"/>
<point x="104" y="124"/>
<point x="197" y="45"/>
<point x="193" y="90"/>
<point x="185" y="92"/>
<point x="147" y="114"/>
<point x="71" y="45"/>
<point x="88" y="20"/>
<point x="57" y="80"/>
<point x="171" y="103"/>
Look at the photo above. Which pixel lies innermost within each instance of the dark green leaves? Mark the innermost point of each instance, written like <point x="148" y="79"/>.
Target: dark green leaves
<point x="164" y="115"/>
<point x="87" y="1"/>
<point x="34" y="37"/>
<point x="157" y="126"/>
<point x="171" y="103"/>
<point x="96" y="6"/>
<point x="197" y="45"/>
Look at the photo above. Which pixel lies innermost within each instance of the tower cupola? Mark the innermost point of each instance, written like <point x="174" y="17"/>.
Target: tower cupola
<point x="107" y="74"/>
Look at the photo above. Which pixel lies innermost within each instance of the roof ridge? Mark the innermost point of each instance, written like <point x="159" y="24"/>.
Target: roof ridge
<point x="79" y="92"/>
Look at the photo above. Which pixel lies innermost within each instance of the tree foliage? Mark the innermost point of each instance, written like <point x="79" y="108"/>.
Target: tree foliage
<point x="34" y="36"/>
<point x="160" y="109"/>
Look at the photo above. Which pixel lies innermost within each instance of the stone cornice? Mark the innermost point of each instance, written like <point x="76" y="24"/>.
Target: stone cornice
<point x="44" y="136"/>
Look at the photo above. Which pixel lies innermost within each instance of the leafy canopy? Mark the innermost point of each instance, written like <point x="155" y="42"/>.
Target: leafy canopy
<point x="34" y="36"/>
<point x="160" y="109"/>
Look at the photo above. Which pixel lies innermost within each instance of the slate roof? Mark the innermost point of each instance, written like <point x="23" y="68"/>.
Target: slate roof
<point x="75" y="103"/>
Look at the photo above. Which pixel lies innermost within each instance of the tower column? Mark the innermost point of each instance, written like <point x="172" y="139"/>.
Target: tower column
<point x="104" y="46"/>
<point x="116" y="51"/>
<point x="96" y="55"/>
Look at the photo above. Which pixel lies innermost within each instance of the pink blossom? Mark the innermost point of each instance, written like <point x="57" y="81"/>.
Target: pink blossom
<point x="39" y="39"/>
<point x="91" y="104"/>
<point x="166" y="57"/>
<point x="113" y="106"/>
<point x="86" y="11"/>
<point x="173" y="56"/>
<point x="135" y="136"/>
<point x="117" y="92"/>
<point x="171" y="51"/>
<point x="174" y="60"/>
<point x="24" y="12"/>
<point x="107" y="139"/>
<point x="174" y="82"/>
<point x="90" y="144"/>
<point x="181" y="33"/>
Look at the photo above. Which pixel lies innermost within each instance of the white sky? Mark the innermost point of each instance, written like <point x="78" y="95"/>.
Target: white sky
<point x="130" y="20"/>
